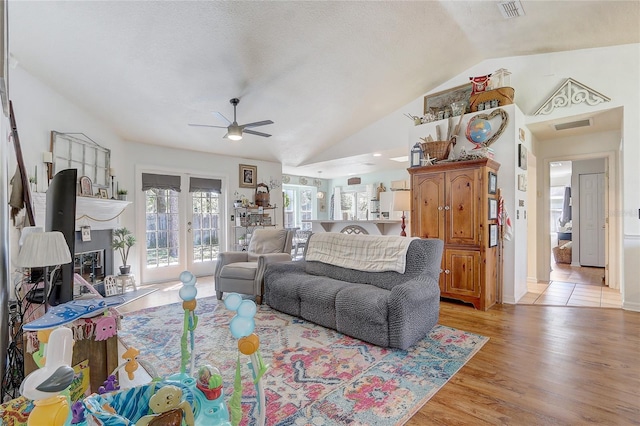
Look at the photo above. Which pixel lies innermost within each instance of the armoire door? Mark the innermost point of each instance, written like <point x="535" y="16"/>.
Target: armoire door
<point x="462" y="208"/>
<point x="428" y="206"/>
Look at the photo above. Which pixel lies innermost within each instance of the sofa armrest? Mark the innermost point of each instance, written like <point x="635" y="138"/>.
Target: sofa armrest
<point x="263" y="261"/>
<point x="229" y="257"/>
<point x="414" y="307"/>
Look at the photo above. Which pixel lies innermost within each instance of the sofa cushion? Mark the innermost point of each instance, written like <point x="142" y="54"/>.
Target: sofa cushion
<point x="318" y="299"/>
<point x="239" y="270"/>
<point x="362" y="311"/>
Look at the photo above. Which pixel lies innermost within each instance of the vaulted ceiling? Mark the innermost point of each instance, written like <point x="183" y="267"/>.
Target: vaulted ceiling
<point x="321" y="70"/>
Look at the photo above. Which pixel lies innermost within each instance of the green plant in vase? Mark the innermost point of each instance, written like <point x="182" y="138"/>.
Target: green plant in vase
<point x="123" y="240"/>
<point x="122" y="194"/>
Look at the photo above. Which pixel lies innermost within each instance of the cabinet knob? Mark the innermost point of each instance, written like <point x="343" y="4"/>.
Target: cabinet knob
<point x="446" y="271"/>
<point x="447" y="207"/>
<point x="439" y="207"/>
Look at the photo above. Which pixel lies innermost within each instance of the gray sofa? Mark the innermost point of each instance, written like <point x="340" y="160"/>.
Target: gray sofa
<point x="388" y="309"/>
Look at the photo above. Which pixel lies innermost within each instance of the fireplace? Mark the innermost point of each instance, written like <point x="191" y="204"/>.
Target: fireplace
<point x="93" y="260"/>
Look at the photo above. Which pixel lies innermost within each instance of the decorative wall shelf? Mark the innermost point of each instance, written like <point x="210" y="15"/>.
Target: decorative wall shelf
<point x="98" y="213"/>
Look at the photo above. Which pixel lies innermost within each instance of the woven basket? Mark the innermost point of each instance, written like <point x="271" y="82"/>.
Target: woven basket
<point x="436" y="149"/>
<point x="504" y="96"/>
<point x="562" y="255"/>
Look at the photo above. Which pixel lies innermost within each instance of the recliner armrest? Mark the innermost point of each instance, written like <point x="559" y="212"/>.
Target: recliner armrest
<point x="229" y="257"/>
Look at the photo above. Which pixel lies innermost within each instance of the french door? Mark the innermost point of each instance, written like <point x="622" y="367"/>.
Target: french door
<point x="182" y="231"/>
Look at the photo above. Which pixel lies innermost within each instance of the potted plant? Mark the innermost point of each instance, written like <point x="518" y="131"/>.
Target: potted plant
<point x="122" y="194"/>
<point x="123" y="239"/>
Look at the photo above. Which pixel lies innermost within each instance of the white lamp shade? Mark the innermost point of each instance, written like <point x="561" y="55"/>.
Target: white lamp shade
<point x="42" y="249"/>
<point x="401" y="201"/>
<point x="28" y="230"/>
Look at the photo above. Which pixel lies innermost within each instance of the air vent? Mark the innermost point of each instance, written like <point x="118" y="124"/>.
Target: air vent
<point x="354" y="181"/>
<point x="573" y="124"/>
<point x="510" y="9"/>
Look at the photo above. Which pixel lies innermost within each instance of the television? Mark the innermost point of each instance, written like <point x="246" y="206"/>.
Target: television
<point x="61" y="216"/>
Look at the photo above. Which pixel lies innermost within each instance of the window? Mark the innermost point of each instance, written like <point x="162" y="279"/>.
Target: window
<point x="162" y="232"/>
<point x="299" y="206"/>
<point x="205" y="226"/>
<point x="354" y="204"/>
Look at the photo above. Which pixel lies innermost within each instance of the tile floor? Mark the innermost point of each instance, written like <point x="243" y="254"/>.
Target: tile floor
<point x="573" y="286"/>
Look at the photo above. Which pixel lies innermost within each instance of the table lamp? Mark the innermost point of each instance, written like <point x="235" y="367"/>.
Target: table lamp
<point x="42" y="250"/>
<point x="402" y="203"/>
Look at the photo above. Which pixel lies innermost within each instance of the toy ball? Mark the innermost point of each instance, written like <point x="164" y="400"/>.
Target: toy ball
<point x="241" y="326"/>
<point x="188" y="292"/>
<point x="249" y="344"/>
<point x="247" y="309"/>
<point x="233" y="301"/>
<point x="188" y="278"/>
<point x="478" y="130"/>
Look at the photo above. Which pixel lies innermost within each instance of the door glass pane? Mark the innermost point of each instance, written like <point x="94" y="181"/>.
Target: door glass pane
<point x="162" y="228"/>
<point x="205" y="226"/>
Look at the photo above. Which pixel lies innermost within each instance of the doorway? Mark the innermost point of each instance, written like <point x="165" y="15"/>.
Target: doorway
<point x="182" y="225"/>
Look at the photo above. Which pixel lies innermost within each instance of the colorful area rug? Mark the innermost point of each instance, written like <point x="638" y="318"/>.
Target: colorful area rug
<point x="317" y="376"/>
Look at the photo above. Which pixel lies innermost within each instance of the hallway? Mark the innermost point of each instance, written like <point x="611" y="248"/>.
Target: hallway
<point x="573" y="286"/>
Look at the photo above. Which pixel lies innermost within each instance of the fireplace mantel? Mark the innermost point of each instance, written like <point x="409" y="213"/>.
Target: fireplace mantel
<point x="98" y="213"/>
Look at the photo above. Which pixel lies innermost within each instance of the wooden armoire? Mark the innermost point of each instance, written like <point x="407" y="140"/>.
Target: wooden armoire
<point x="455" y="202"/>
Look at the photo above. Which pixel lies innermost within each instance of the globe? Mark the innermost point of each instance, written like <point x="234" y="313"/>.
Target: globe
<point x="478" y="130"/>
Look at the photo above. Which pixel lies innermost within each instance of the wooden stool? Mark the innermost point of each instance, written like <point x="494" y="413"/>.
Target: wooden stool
<point x="126" y="280"/>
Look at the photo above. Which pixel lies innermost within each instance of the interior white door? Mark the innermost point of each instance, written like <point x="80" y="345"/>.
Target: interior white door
<point x="592" y="220"/>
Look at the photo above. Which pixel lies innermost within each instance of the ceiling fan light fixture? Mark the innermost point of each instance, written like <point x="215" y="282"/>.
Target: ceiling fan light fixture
<point x="234" y="133"/>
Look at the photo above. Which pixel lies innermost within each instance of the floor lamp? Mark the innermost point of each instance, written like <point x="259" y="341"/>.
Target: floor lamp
<point x="42" y="250"/>
<point x="402" y="203"/>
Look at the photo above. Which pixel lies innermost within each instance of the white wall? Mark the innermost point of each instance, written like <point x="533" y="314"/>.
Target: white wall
<point x="39" y="110"/>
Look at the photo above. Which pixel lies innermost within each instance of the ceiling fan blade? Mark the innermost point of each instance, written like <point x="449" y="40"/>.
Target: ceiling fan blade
<point x="253" y="132"/>
<point x="222" y="117"/>
<point x="257" y="123"/>
<point x="207" y="125"/>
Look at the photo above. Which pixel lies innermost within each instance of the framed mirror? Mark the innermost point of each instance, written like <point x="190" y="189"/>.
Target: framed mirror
<point x="78" y="151"/>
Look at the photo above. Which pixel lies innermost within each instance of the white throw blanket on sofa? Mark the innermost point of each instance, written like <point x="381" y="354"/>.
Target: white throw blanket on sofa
<point x="371" y="253"/>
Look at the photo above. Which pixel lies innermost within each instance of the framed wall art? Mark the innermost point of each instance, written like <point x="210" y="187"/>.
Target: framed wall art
<point x="493" y="208"/>
<point x="493" y="183"/>
<point x="248" y="176"/>
<point x="445" y="98"/>
<point x="86" y="188"/>
<point x="103" y="193"/>
<point x="522" y="156"/>
<point x="522" y="182"/>
<point x="493" y="235"/>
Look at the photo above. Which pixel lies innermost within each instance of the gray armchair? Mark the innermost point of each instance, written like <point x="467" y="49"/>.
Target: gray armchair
<point x="243" y="271"/>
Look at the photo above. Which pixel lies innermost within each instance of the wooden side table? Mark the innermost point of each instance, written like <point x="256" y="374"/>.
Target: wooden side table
<point x="126" y="280"/>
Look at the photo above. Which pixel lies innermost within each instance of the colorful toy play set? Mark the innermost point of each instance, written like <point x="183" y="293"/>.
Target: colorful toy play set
<point x="183" y="398"/>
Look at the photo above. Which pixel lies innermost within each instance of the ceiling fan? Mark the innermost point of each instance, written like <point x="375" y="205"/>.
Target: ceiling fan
<point x="234" y="130"/>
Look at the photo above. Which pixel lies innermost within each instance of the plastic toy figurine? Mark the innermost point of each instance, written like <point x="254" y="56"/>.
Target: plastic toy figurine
<point x="45" y="385"/>
<point x="168" y="409"/>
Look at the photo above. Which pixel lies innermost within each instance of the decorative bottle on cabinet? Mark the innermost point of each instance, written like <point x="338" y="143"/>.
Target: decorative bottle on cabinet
<point x="450" y="201"/>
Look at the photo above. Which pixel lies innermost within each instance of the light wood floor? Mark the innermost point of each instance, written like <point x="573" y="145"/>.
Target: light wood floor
<point x="573" y="286"/>
<point x="543" y="365"/>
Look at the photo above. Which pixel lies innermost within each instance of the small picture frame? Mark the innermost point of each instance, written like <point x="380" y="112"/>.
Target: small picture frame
<point x="85" y="231"/>
<point x="493" y="235"/>
<point x="103" y="193"/>
<point x="493" y="183"/>
<point x="493" y="208"/>
<point x="522" y="182"/>
<point x="522" y="156"/>
<point x="86" y="188"/>
<point x="248" y="177"/>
